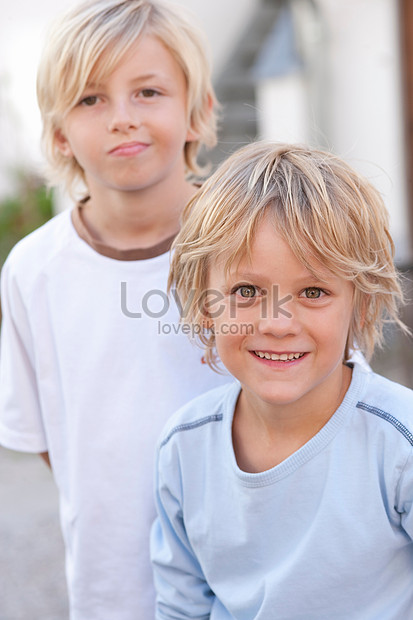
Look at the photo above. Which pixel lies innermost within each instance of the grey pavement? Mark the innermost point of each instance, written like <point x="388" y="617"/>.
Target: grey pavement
<point x="32" y="579"/>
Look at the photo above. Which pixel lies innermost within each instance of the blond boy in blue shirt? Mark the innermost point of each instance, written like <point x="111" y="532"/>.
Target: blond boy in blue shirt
<point x="287" y="495"/>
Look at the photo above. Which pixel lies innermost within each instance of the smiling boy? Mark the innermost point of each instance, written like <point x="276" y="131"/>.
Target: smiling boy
<point x="290" y="365"/>
<point x="86" y="379"/>
<point x="289" y="494"/>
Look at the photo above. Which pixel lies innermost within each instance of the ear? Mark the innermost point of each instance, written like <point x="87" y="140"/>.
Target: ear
<point x="193" y="135"/>
<point x="62" y="143"/>
<point x="363" y="310"/>
<point x="207" y="309"/>
<point x="207" y="322"/>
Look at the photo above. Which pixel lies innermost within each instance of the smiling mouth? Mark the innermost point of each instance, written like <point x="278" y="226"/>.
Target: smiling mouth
<point x="282" y="357"/>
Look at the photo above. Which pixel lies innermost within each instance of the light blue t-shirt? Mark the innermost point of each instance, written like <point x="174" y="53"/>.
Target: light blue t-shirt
<point x="325" y="535"/>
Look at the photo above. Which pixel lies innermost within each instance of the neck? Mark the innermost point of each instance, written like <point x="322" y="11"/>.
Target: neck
<point x="264" y="434"/>
<point x="143" y="218"/>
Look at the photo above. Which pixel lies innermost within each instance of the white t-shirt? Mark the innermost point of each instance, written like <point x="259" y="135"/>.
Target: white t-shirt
<point x="92" y="364"/>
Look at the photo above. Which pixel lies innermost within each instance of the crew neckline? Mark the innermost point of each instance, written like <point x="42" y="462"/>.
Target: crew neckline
<point x="110" y="252"/>
<point x="309" y="450"/>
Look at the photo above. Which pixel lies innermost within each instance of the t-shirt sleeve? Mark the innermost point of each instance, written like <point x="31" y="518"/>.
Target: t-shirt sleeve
<point x="21" y="425"/>
<point x="182" y="591"/>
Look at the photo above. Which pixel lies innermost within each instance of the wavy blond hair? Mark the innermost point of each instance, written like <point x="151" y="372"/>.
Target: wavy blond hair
<point x="73" y="52"/>
<point x="323" y="209"/>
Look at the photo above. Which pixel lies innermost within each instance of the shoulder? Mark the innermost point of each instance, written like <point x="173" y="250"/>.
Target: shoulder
<point x="388" y="404"/>
<point x="43" y="241"/>
<point x="200" y="414"/>
<point x="30" y="255"/>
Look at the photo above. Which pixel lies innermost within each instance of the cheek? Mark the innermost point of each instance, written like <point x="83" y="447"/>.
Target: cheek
<point x="335" y="328"/>
<point x="228" y="347"/>
<point x="231" y="338"/>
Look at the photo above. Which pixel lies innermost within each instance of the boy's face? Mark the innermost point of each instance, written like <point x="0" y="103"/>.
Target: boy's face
<point x="279" y="330"/>
<point x="128" y="132"/>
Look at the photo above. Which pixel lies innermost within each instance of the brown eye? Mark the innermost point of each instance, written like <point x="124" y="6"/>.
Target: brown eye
<point x="148" y="93"/>
<point x="312" y="292"/>
<point x="247" y="291"/>
<point x="89" y="101"/>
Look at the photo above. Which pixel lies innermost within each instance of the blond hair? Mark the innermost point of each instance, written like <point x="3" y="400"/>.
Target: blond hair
<point x="74" y="50"/>
<point x="323" y="209"/>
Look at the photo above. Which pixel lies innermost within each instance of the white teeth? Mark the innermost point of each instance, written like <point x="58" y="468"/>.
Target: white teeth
<point x="284" y="357"/>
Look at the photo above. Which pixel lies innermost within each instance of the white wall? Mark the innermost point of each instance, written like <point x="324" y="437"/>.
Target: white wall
<point x="359" y="113"/>
<point x="283" y="109"/>
<point x="365" y="99"/>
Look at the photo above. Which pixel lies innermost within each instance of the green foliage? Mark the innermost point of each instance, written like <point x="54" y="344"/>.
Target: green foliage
<point x="29" y="207"/>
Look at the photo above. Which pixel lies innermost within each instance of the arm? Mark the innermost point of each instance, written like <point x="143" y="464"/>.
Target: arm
<point x="182" y="591"/>
<point x="404" y="501"/>
<point x="21" y="424"/>
<point x="45" y="457"/>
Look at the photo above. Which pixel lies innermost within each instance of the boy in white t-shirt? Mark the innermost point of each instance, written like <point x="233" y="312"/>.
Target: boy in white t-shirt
<point x="288" y="494"/>
<point x="92" y="358"/>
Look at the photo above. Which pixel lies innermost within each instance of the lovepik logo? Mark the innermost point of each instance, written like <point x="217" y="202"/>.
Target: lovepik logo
<point x="155" y="303"/>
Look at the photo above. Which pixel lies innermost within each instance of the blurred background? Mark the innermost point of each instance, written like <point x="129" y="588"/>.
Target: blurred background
<point x="335" y="74"/>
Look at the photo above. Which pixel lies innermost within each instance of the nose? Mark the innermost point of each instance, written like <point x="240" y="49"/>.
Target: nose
<point x="280" y="319"/>
<point x="279" y="327"/>
<point x="122" y="118"/>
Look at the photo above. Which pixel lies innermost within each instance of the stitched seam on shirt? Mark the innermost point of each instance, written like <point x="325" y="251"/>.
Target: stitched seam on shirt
<point x="190" y="426"/>
<point x="389" y="418"/>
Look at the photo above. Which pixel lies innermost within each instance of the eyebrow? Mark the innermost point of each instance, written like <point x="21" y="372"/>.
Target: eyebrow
<point x="246" y="275"/>
<point x="308" y="276"/>
<point x="135" y="80"/>
<point x="148" y="76"/>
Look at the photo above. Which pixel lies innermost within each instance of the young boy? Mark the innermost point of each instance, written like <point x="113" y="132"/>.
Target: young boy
<point x="90" y="365"/>
<point x="288" y="494"/>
